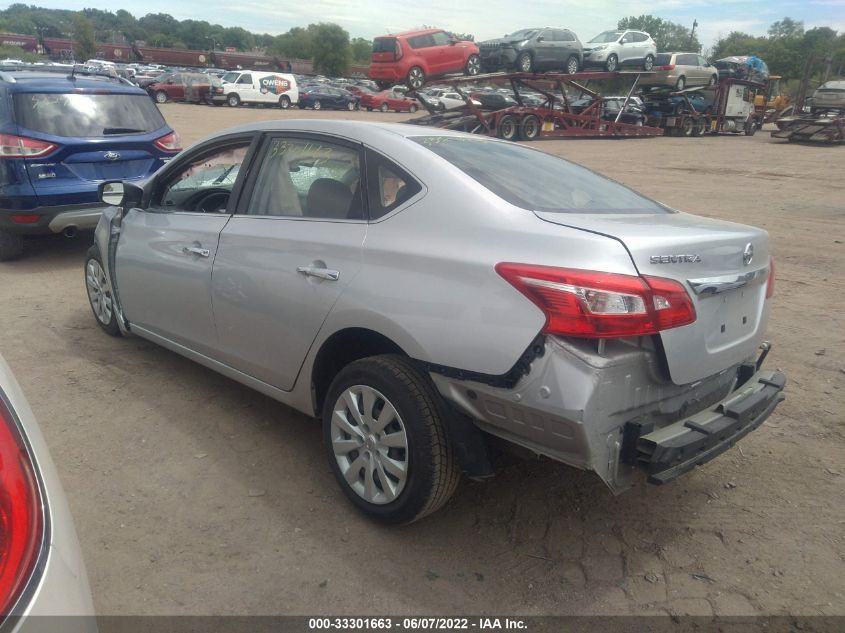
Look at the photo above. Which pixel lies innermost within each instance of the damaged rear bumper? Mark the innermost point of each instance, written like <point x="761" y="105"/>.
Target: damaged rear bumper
<point x="673" y="450"/>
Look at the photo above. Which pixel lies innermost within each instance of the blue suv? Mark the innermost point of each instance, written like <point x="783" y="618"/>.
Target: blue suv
<point x="61" y="135"/>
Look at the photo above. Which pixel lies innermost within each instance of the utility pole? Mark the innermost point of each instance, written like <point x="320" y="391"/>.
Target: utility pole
<point x="692" y="34"/>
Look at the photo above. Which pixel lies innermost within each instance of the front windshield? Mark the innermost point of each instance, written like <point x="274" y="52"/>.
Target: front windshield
<point x="230" y="78"/>
<point x="524" y="34"/>
<point x="606" y="37"/>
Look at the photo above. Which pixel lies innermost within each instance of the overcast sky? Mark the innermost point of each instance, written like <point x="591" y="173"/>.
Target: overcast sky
<point x="483" y="18"/>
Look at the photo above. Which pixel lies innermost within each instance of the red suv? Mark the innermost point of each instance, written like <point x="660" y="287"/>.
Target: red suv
<point x="416" y="56"/>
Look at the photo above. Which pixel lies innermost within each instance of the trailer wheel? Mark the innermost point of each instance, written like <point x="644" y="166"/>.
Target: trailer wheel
<point x="508" y="128"/>
<point x="700" y="127"/>
<point x="686" y="127"/>
<point x="529" y="128"/>
<point x="750" y="128"/>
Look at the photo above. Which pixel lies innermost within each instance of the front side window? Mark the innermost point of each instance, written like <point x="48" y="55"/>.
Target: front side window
<point x="308" y="178"/>
<point x="85" y="115"/>
<point x="205" y="183"/>
<point x="567" y="188"/>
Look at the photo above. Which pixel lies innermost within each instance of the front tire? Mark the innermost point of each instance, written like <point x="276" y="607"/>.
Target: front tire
<point x="233" y="100"/>
<point x="713" y="80"/>
<point x="99" y="293"/>
<point x="412" y="108"/>
<point x="161" y="97"/>
<point x="648" y="63"/>
<point x="611" y="63"/>
<point x="384" y="107"/>
<point x="525" y="62"/>
<point x="350" y="105"/>
<point x="318" y="105"/>
<point x="11" y="246"/>
<point x="384" y="429"/>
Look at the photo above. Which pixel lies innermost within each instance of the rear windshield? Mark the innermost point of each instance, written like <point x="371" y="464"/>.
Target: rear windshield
<point x="384" y="45"/>
<point x="663" y="59"/>
<point x="534" y="180"/>
<point x="87" y="114"/>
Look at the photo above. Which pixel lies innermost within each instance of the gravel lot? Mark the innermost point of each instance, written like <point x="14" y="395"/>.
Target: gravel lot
<point x="195" y="495"/>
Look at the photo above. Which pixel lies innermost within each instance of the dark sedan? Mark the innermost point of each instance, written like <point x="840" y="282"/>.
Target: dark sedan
<point x="319" y="97"/>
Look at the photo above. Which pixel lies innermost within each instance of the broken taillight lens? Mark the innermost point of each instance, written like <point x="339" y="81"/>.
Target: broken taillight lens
<point x="21" y="512"/>
<point x="770" y="284"/>
<point x="592" y="304"/>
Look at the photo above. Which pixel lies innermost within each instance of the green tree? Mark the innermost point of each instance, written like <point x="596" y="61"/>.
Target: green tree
<point x="85" y="46"/>
<point x="362" y="50"/>
<point x="330" y="49"/>
<point x="295" y="43"/>
<point x="787" y="28"/>
<point x="669" y="36"/>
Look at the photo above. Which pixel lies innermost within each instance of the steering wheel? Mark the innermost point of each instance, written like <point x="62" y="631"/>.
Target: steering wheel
<point x="212" y="200"/>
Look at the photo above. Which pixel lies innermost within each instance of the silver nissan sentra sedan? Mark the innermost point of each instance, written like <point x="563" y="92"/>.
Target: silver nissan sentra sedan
<point x="424" y="291"/>
<point x="41" y="568"/>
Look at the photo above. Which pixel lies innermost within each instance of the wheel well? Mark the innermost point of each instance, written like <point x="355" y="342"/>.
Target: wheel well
<point x="340" y="349"/>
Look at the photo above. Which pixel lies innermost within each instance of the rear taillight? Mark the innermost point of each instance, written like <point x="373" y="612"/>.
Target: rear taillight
<point x="21" y="513"/>
<point x="12" y="146"/>
<point x="591" y="304"/>
<point x="25" y="218"/>
<point x="668" y="67"/>
<point x="770" y="284"/>
<point x="169" y="142"/>
<point x="397" y="51"/>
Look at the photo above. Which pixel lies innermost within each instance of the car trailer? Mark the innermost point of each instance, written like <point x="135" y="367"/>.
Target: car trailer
<point x="726" y="107"/>
<point x="553" y="119"/>
<point x="818" y="127"/>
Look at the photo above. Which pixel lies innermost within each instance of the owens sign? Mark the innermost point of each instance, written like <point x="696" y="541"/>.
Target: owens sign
<point x="274" y="84"/>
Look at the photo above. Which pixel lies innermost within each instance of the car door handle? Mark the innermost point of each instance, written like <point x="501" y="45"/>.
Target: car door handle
<point x="196" y="250"/>
<point x="320" y="273"/>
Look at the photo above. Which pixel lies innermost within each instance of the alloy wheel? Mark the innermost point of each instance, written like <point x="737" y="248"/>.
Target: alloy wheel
<point x="370" y="444"/>
<point x="416" y="78"/>
<point x="572" y="66"/>
<point x="473" y="65"/>
<point x="98" y="291"/>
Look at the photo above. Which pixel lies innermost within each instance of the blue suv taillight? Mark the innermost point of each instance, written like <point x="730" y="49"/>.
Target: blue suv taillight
<point x="12" y="146"/>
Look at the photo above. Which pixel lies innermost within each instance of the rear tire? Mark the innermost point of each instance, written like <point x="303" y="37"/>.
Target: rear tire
<point x="700" y="127"/>
<point x="529" y="127"/>
<point x="415" y="472"/>
<point x="473" y="66"/>
<point x="350" y="106"/>
<point x="572" y="65"/>
<point x="648" y="63"/>
<point x="384" y="107"/>
<point x="750" y="128"/>
<point x="284" y="102"/>
<point x="681" y="83"/>
<point x="416" y="78"/>
<point x="99" y="293"/>
<point x="508" y="128"/>
<point x="687" y="127"/>
<point x="412" y="108"/>
<point x="714" y="79"/>
<point x="11" y="246"/>
<point x="317" y="104"/>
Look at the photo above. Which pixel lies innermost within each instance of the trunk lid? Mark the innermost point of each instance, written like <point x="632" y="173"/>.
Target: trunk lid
<point x="710" y="258"/>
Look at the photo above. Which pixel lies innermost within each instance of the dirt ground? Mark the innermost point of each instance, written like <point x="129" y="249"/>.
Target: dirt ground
<point x="194" y="495"/>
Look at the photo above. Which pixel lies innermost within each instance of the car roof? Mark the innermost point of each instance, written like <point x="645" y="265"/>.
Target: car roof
<point x="412" y="33"/>
<point x="34" y="81"/>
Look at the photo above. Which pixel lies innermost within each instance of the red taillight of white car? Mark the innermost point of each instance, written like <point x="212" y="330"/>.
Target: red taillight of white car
<point x="12" y="146"/>
<point x="21" y="513"/>
<point x="169" y="142"/>
<point x="592" y="304"/>
<point x="770" y="284"/>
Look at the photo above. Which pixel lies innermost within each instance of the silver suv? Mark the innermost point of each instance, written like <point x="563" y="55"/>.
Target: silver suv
<point x="419" y="295"/>
<point x="613" y="50"/>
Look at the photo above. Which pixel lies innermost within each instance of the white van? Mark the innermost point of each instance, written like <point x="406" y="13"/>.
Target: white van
<point x="249" y="86"/>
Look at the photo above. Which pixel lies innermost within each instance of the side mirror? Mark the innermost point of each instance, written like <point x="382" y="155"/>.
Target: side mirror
<point x="116" y="193"/>
<point x="541" y="39"/>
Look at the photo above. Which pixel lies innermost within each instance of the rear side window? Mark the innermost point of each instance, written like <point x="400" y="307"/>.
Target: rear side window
<point x="388" y="185"/>
<point x="688" y="60"/>
<point x="512" y="172"/>
<point x="87" y="114"/>
<point x="421" y="41"/>
<point x="663" y="59"/>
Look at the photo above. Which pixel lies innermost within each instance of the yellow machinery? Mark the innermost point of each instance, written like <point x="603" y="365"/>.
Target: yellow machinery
<point x="772" y="104"/>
